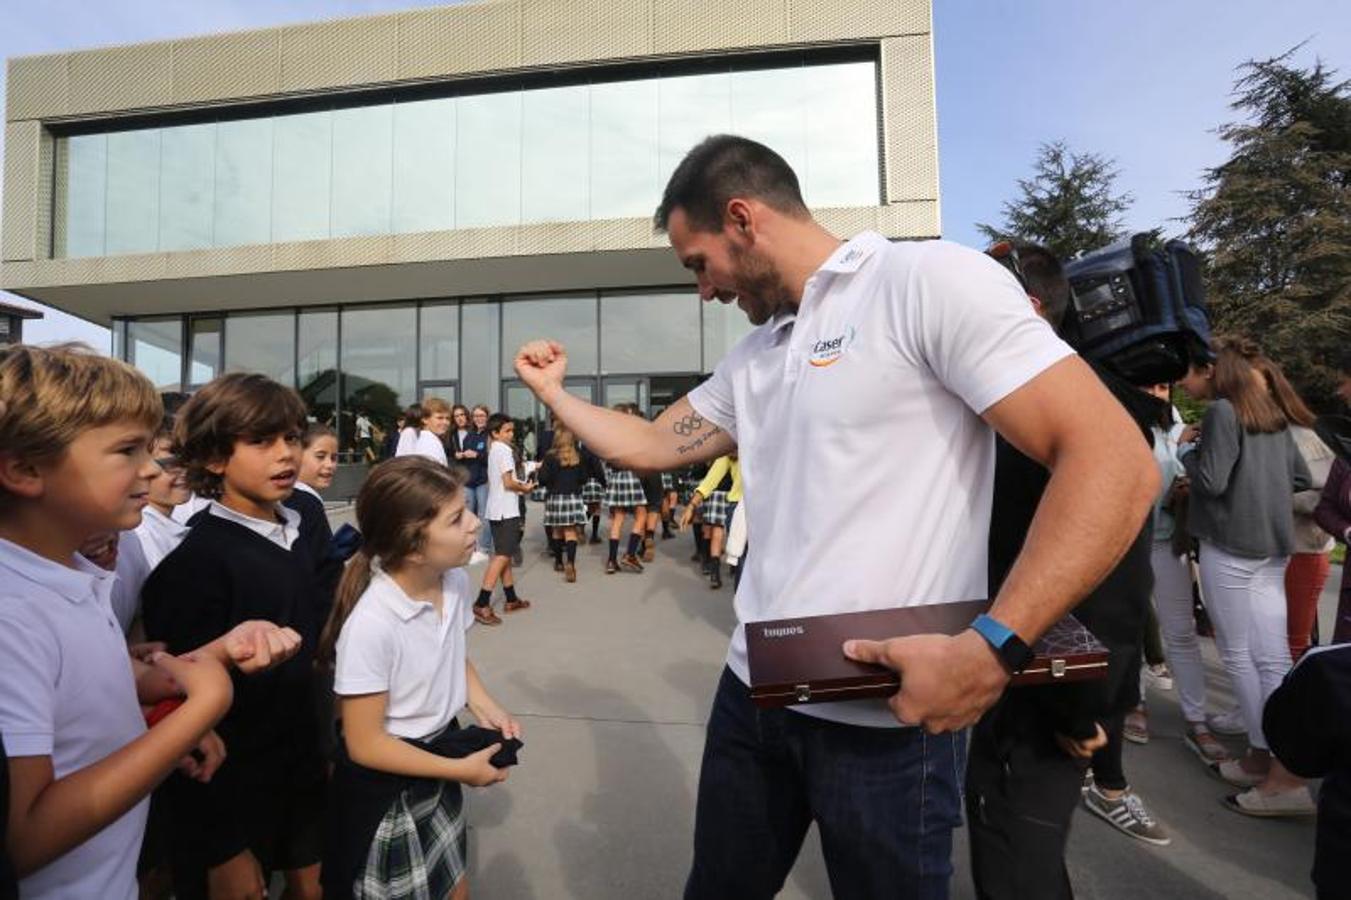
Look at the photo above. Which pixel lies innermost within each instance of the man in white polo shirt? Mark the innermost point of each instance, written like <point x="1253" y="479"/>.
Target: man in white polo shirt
<point x="862" y="409"/>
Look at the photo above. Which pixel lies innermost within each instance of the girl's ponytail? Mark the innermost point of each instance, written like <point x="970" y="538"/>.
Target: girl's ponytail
<point x="356" y="577"/>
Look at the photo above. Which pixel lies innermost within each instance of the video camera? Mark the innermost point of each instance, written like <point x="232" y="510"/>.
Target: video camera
<point x="1139" y="307"/>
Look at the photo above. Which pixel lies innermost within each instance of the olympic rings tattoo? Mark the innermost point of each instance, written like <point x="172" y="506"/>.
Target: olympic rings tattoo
<point x="688" y="425"/>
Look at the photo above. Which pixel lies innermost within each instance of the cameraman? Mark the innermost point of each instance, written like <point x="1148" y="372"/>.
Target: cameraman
<point x="1028" y="753"/>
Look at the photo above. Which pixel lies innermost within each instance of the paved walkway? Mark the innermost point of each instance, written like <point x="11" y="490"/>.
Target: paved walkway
<point x="612" y="678"/>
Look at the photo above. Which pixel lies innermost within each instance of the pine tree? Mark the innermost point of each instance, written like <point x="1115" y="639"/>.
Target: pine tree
<point x="1068" y="206"/>
<point x="1275" y="220"/>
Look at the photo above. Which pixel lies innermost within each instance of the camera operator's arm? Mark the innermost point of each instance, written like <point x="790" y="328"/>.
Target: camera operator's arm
<point x="678" y="437"/>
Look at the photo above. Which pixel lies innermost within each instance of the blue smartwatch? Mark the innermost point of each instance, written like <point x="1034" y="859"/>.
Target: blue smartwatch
<point x="1010" y="648"/>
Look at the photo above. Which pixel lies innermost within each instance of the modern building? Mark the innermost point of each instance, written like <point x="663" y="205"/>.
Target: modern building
<point x="384" y="208"/>
<point x="11" y="323"/>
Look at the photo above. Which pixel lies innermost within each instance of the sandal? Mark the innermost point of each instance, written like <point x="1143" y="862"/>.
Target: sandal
<point x="484" y="615"/>
<point x="1205" y="745"/>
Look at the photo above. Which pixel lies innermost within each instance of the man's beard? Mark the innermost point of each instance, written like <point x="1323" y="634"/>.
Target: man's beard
<point x="761" y="284"/>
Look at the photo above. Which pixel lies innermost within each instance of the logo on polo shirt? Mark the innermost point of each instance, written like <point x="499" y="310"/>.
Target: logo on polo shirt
<point x="828" y="352"/>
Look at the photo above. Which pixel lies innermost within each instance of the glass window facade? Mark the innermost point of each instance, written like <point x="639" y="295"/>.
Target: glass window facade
<point x="521" y="154"/>
<point x="365" y="364"/>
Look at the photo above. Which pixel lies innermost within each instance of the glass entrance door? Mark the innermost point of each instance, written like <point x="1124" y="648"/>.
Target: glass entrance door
<point x="448" y="391"/>
<point x="531" y="416"/>
<point x="630" y="389"/>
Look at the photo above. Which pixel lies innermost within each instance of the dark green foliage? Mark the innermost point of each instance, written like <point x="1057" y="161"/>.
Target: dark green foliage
<point x="1275" y="221"/>
<point x="1068" y="206"/>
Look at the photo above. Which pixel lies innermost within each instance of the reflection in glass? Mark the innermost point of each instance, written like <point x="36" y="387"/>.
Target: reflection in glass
<point x="363" y="141"/>
<point x="262" y="342"/>
<point x="624" y="150"/>
<point x="155" y="346"/>
<point x="133" y="192"/>
<point x="302" y="172"/>
<point x="554" y="165"/>
<point x="439" y="353"/>
<point x="243" y="182"/>
<point x="649" y="333"/>
<point x="548" y="154"/>
<point x="842" y="136"/>
<point x="692" y="107"/>
<point x="569" y="320"/>
<point x="424" y="173"/>
<point x="724" y="325"/>
<point x="86" y="187"/>
<point x="187" y="165"/>
<point x="378" y="352"/>
<point x="204" y="357"/>
<point x="480" y="324"/>
<point x="317" y="364"/>
<point x="488" y="161"/>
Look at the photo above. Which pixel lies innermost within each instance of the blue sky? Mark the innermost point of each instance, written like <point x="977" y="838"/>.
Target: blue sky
<point x="1144" y="82"/>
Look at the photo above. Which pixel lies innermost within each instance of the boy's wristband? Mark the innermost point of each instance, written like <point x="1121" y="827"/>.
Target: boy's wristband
<point x="161" y="710"/>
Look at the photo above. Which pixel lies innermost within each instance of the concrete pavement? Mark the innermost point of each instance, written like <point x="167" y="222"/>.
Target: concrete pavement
<point x="612" y="677"/>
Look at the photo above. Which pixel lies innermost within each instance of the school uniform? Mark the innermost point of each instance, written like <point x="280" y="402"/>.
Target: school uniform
<point x="504" y="509"/>
<point x="421" y="442"/>
<point x="390" y="834"/>
<point x="721" y="489"/>
<point x="623" y="490"/>
<point x="132" y="569"/>
<point x="159" y="535"/>
<point x="565" y="507"/>
<point x="318" y="536"/>
<point x="67" y="692"/>
<point x="268" y="795"/>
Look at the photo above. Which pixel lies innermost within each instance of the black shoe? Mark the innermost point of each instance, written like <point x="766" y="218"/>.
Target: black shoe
<point x="715" y="579"/>
<point x="706" y="568"/>
<point x="594" y="540"/>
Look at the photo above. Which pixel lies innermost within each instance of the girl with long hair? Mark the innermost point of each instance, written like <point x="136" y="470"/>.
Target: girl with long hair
<point x="396" y="638"/>
<point x="1309" y="565"/>
<point x="1243" y="467"/>
<point x="564" y="472"/>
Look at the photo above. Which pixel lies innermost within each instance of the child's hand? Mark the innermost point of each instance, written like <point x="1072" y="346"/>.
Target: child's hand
<point x="687" y="516"/>
<point x="477" y="771"/>
<point x="258" y="645"/>
<point x="202" y="678"/>
<point x="205" y="758"/>
<point x="495" y="717"/>
<point x="238" y="878"/>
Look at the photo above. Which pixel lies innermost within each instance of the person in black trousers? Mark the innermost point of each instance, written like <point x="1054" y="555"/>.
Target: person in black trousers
<point x="1028" y="754"/>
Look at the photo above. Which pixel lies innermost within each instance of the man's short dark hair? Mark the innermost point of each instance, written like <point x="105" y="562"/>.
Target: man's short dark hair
<point x="1046" y="281"/>
<point x="722" y="167"/>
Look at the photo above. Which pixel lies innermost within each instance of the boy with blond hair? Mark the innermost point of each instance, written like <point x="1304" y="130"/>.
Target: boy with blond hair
<point x="75" y="432"/>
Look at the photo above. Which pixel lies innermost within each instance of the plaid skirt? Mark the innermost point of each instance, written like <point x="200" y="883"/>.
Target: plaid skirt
<point x="539" y="494"/>
<point x="625" y="490"/>
<point x="715" y="509"/>
<point x="564" y="511"/>
<point x="668" y="482"/>
<point x="420" y="850"/>
<point x="593" y="491"/>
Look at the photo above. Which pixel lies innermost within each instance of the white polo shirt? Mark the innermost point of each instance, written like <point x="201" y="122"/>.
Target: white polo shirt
<point x="282" y="533"/>
<point x="392" y="643"/>
<point x="159" y="535"/>
<point x="502" y="503"/>
<point x="132" y="570"/>
<point x="66" y="691"/>
<point x="867" y="470"/>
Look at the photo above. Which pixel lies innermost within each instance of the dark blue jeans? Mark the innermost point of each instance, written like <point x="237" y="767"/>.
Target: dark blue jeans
<point x="884" y="799"/>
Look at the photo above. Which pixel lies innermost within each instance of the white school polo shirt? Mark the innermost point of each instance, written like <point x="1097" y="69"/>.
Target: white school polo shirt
<point x="159" y="535"/>
<point x="502" y="503"/>
<point x="392" y="643"/>
<point x="132" y="570"/>
<point x="867" y="471"/>
<point x="66" y="691"/>
<point x="282" y="533"/>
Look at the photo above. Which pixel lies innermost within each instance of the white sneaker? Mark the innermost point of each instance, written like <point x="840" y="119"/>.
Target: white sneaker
<point x="1159" y="677"/>
<point x="1229" y="722"/>
<point x="478" y="557"/>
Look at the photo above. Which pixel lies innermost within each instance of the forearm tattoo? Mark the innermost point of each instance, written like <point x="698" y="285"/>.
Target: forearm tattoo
<point x="691" y="426"/>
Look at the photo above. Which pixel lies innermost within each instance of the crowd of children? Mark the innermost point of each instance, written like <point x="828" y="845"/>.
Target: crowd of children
<point x="225" y="713"/>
